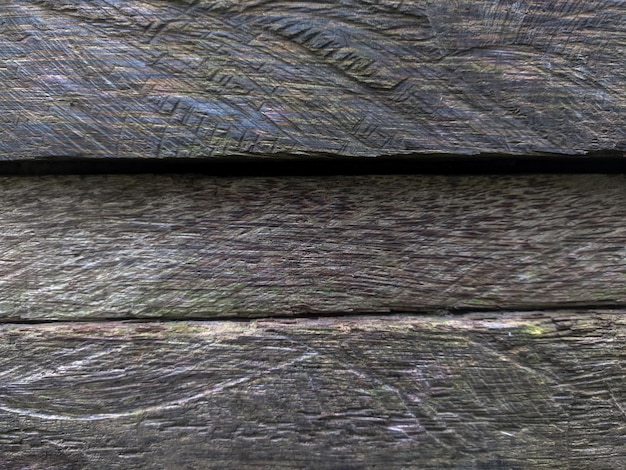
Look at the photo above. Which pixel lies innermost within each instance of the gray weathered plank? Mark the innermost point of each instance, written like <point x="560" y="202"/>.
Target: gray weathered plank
<point x="183" y="78"/>
<point x="501" y="391"/>
<point x="194" y="246"/>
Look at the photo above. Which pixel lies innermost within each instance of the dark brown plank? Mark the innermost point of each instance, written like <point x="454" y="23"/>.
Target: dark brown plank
<point x="186" y="79"/>
<point x="192" y="246"/>
<point x="502" y="391"/>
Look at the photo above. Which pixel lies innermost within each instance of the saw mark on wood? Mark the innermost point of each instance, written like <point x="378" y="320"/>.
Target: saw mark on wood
<point x="133" y="380"/>
<point x="525" y="388"/>
<point x="360" y="78"/>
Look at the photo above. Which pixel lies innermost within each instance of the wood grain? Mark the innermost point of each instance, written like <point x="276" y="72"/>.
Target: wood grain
<point x="192" y="79"/>
<point x="97" y="247"/>
<point x="495" y="391"/>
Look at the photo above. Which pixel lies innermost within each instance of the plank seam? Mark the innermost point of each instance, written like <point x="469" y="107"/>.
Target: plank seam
<point x="298" y="165"/>
<point x="443" y="312"/>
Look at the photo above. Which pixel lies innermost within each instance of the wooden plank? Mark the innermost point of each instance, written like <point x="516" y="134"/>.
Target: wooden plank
<point x="495" y="391"/>
<point x="197" y="78"/>
<point x="197" y="247"/>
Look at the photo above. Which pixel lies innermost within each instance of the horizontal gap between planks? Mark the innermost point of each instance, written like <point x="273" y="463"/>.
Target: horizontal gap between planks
<point x="613" y="162"/>
<point x="456" y="313"/>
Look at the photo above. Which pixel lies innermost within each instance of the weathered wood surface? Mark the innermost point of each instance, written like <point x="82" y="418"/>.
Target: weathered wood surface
<point x="501" y="391"/>
<point x="194" y="246"/>
<point x="189" y="78"/>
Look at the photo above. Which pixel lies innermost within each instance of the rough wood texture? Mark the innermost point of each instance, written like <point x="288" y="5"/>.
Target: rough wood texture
<point x="198" y="78"/>
<point x="506" y="391"/>
<point x="193" y="246"/>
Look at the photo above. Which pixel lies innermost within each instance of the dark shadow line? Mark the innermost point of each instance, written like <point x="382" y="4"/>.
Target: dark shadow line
<point x="613" y="162"/>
